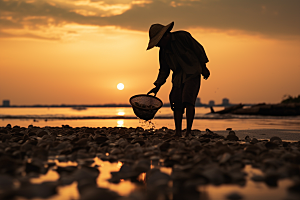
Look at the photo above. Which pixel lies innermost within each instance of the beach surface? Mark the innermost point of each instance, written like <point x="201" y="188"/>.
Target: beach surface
<point x="138" y="163"/>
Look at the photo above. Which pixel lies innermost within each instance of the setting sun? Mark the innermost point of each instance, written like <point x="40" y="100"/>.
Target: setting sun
<point x="120" y="86"/>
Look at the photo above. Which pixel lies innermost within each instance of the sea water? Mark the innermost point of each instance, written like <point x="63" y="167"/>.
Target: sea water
<point x="125" y="117"/>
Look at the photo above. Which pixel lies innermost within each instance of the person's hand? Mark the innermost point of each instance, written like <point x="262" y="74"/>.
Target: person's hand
<point x="205" y="73"/>
<point x="154" y="90"/>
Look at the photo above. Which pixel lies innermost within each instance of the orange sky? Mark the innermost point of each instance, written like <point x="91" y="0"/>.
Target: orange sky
<point x="81" y="56"/>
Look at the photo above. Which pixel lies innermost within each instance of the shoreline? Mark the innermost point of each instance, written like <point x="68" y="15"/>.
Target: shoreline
<point x="291" y="135"/>
<point x="260" y="129"/>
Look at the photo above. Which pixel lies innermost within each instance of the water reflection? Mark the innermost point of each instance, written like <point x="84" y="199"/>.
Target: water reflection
<point x="124" y="188"/>
<point x="120" y="123"/>
<point x="175" y="189"/>
<point x="120" y="111"/>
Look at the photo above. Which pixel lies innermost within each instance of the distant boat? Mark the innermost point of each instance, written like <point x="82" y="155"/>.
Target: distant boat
<point x="281" y="109"/>
<point x="79" y="108"/>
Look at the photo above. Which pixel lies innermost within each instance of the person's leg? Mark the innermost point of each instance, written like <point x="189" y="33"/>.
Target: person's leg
<point x="177" y="107"/>
<point x="190" y="114"/>
<point x="190" y="92"/>
<point x="178" y="122"/>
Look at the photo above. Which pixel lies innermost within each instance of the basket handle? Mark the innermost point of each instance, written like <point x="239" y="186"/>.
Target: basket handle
<point x="151" y="93"/>
<point x="154" y="90"/>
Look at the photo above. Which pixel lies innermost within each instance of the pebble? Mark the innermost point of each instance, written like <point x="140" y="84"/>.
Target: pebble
<point x="234" y="196"/>
<point x="202" y="159"/>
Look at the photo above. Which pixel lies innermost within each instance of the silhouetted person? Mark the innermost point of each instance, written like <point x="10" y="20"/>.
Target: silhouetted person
<point x="182" y="54"/>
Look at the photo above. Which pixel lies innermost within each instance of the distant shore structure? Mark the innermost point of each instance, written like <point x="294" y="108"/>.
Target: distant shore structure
<point x="198" y="102"/>
<point x="225" y="102"/>
<point x="211" y="103"/>
<point x="5" y="103"/>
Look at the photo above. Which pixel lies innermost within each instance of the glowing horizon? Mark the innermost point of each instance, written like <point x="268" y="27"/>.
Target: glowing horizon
<point x="79" y="58"/>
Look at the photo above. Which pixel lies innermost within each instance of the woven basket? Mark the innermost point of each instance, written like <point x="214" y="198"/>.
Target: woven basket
<point x="145" y="106"/>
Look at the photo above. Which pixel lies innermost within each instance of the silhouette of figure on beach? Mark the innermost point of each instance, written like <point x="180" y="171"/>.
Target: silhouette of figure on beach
<point x="182" y="54"/>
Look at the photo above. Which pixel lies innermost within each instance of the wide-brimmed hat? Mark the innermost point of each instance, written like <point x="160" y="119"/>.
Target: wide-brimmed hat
<point x="156" y="32"/>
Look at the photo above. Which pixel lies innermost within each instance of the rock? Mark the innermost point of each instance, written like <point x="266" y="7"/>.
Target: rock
<point x="247" y="139"/>
<point x="41" y="133"/>
<point x="231" y="132"/>
<point x="155" y="178"/>
<point x="125" y="172"/>
<point x="234" y="196"/>
<point x="9" y="165"/>
<point x="86" y="184"/>
<point x="81" y="142"/>
<point x="43" y="190"/>
<point x="122" y="142"/>
<point x="232" y="137"/>
<point x="225" y="157"/>
<point x="276" y="140"/>
<point x="253" y="149"/>
<point x="89" y="174"/>
<point x="66" y="170"/>
<point x="214" y="175"/>
<point x="6" y="182"/>
<point x="99" y="193"/>
<point x="35" y="166"/>
<point x="115" y="151"/>
<point x="141" y="166"/>
<point x="40" y="154"/>
<point x="271" y="179"/>
<point x="271" y="145"/>
<point x="85" y="173"/>
<point x="208" y="131"/>
<point x="164" y="146"/>
<point x="138" y="140"/>
<point x="257" y="178"/>
<point x="295" y="188"/>
<point x="100" y="139"/>
<point x="254" y="141"/>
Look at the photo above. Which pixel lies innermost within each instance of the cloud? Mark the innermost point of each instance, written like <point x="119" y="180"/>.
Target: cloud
<point x="273" y="18"/>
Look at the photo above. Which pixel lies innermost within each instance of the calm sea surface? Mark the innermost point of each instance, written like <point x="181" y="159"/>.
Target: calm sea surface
<point x="125" y="117"/>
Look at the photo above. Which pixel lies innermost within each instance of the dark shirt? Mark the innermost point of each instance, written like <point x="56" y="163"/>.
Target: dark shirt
<point x="184" y="56"/>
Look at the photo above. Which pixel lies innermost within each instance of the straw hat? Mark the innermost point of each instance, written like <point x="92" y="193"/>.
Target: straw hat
<point x="156" y="32"/>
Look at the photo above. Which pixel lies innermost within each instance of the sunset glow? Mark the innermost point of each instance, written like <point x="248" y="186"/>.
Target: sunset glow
<point x="80" y="50"/>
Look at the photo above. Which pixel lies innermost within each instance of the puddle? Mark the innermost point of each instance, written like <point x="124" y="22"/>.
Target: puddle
<point x="251" y="190"/>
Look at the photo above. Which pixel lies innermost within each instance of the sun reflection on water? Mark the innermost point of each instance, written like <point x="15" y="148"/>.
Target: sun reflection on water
<point x="120" y="112"/>
<point x="120" y="123"/>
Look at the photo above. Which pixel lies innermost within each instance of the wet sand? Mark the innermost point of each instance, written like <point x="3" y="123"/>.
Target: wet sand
<point x="134" y="163"/>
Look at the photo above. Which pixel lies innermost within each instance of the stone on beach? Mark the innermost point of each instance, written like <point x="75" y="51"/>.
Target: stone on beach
<point x="157" y="179"/>
<point x="125" y="172"/>
<point x="234" y="196"/>
<point x="43" y="190"/>
<point x="201" y="159"/>
<point x="6" y="182"/>
<point x="99" y="193"/>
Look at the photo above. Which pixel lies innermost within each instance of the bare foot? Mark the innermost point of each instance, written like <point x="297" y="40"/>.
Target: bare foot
<point x="178" y="134"/>
<point x="188" y="133"/>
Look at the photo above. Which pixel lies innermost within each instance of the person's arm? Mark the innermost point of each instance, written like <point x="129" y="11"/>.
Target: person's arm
<point x="163" y="74"/>
<point x="205" y="71"/>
